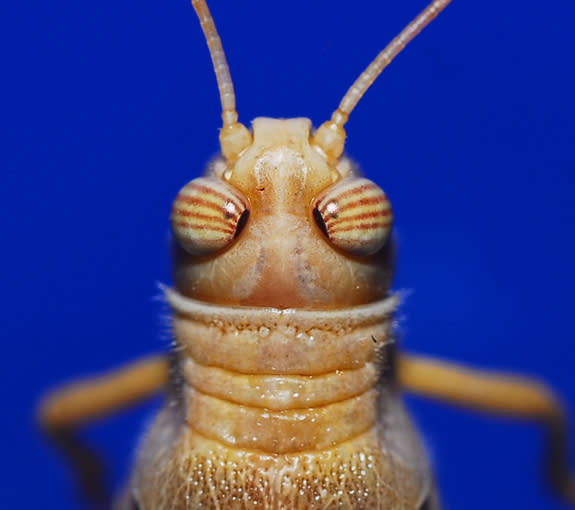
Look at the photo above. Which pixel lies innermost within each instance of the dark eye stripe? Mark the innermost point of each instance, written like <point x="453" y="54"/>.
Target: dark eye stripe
<point x="383" y="213"/>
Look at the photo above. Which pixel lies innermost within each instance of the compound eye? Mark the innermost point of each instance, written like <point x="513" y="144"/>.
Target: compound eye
<point x="355" y="215"/>
<point x="207" y="215"/>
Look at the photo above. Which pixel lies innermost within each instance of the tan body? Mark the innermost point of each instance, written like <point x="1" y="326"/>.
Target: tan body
<point x="283" y="405"/>
<point x="284" y="389"/>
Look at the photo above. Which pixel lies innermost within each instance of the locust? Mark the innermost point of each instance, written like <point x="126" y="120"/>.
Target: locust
<point x="285" y="387"/>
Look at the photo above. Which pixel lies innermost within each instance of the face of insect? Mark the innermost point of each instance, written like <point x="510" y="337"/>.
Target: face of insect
<point x="282" y="226"/>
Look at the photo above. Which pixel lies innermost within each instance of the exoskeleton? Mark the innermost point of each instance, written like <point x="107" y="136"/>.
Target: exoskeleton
<point x="284" y="390"/>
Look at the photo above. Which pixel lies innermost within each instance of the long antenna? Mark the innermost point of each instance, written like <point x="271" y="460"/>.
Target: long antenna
<point x="234" y="137"/>
<point x="330" y="137"/>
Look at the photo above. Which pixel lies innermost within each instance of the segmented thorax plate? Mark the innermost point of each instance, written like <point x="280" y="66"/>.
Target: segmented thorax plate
<point x="282" y="411"/>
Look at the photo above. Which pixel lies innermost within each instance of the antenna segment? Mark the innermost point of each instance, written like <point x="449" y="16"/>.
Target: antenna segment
<point x="234" y="137"/>
<point x="330" y="137"/>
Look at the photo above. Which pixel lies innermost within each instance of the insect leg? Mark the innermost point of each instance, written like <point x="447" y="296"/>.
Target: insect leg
<point x="501" y="394"/>
<point x="96" y="397"/>
<point x="64" y="410"/>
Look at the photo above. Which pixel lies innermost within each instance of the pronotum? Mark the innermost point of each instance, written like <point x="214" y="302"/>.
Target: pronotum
<point x="285" y="383"/>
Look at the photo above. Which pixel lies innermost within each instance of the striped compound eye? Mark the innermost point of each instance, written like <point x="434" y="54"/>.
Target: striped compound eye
<point x="207" y="215"/>
<point x="355" y="215"/>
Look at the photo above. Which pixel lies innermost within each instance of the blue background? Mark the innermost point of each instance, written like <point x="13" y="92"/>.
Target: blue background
<point x="109" y="107"/>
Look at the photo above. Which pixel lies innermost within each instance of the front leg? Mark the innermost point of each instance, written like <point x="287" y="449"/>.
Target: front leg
<point x="62" y="412"/>
<point x="497" y="393"/>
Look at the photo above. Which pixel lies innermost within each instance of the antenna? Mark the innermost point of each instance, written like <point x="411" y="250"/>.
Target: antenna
<point x="234" y="136"/>
<point x="330" y="137"/>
